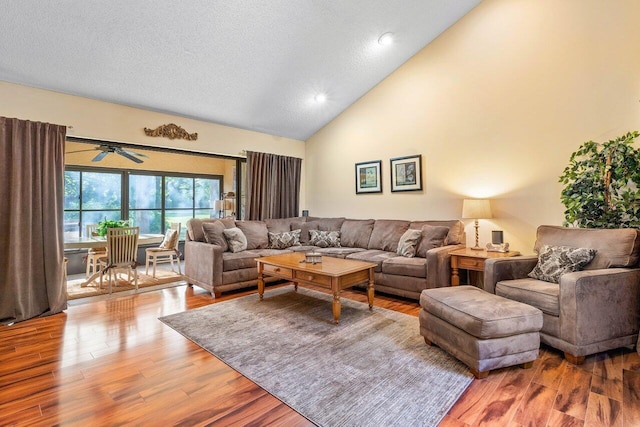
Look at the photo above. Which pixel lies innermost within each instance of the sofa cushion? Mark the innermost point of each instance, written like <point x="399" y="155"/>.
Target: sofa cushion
<point x="554" y="261"/>
<point x="213" y="234"/>
<point x="324" y="239"/>
<point x="455" y="236"/>
<point x="408" y="243"/>
<point x="304" y="228"/>
<point x="373" y="255"/>
<point x="339" y="252"/>
<point x="256" y="232"/>
<point x="284" y="240"/>
<point x="269" y="252"/>
<point x="236" y="239"/>
<point x="432" y="236"/>
<point x="327" y="224"/>
<point x="540" y="294"/>
<point x="194" y="227"/>
<point x="355" y="233"/>
<point x="616" y="247"/>
<point x="238" y="260"/>
<point x="402" y="266"/>
<point x="280" y="225"/>
<point x="386" y="234"/>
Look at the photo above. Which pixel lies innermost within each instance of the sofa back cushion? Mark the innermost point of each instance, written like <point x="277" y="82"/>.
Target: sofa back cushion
<point x="283" y="225"/>
<point x="194" y="227"/>
<point x="355" y="233"/>
<point x="455" y="236"/>
<point x="326" y="224"/>
<point x="386" y="234"/>
<point x="256" y="232"/>
<point x="304" y="228"/>
<point x="618" y="247"/>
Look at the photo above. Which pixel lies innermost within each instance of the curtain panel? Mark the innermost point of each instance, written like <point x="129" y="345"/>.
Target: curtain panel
<point x="273" y="186"/>
<point x="31" y="219"/>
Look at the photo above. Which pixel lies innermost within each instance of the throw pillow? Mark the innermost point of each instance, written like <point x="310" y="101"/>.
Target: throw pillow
<point x="170" y="239"/>
<point x="324" y="239"/>
<point x="284" y="240"/>
<point x="255" y="232"/>
<point x="554" y="261"/>
<point x="213" y="234"/>
<point x="304" y="227"/>
<point x="408" y="243"/>
<point x="433" y="236"/>
<point x="236" y="239"/>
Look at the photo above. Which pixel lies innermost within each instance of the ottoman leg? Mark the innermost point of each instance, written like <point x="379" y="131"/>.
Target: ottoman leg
<point x="527" y="365"/>
<point x="479" y="375"/>
<point x="426" y="340"/>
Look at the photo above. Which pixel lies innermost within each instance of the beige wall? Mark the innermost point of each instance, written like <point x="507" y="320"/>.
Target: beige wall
<point x="495" y="106"/>
<point x="112" y="122"/>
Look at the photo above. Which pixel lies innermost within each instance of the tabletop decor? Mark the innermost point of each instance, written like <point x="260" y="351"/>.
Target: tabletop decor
<point x="105" y="224"/>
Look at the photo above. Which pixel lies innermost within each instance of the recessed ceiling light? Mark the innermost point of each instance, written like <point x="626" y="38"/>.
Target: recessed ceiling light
<point x="386" y="39"/>
<point x="320" y="98"/>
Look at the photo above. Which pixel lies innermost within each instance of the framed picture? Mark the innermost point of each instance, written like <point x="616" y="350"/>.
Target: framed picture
<point x="368" y="177"/>
<point x="406" y="173"/>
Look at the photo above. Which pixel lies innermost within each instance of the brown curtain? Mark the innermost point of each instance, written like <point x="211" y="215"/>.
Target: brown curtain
<point x="31" y="219"/>
<point x="273" y="186"/>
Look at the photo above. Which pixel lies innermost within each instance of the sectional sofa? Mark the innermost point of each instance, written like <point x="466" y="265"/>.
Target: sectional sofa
<point x="219" y="260"/>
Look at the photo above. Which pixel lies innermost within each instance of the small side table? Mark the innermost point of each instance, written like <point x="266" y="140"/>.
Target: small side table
<point x="473" y="260"/>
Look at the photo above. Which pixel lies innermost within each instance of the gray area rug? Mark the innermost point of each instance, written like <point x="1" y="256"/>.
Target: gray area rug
<point x="374" y="368"/>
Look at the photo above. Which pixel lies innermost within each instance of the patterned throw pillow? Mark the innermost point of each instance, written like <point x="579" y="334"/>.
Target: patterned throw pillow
<point x="324" y="239"/>
<point x="236" y="239"/>
<point x="408" y="243"/>
<point x="284" y="240"/>
<point x="170" y="239"/>
<point x="554" y="261"/>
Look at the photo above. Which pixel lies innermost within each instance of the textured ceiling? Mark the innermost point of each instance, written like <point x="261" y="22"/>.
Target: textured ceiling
<point x="251" y="64"/>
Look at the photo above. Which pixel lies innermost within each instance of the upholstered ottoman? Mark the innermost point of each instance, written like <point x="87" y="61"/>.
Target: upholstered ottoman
<point x="482" y="330"/>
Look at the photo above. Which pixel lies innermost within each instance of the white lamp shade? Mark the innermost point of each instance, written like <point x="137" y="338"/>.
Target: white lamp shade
<point x="476" y="209"/>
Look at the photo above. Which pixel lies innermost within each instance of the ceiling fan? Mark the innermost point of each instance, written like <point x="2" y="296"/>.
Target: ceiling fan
<point x="108" y="149"/>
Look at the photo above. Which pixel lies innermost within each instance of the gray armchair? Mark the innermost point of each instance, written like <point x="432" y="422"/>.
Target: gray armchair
<point x="588" y="311"/>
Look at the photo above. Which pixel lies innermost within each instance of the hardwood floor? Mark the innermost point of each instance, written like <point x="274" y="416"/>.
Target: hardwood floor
<point x="111" y="362"/>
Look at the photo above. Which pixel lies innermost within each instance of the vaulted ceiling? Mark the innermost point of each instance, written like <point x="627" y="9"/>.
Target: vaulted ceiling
<point x="282" y="67"/>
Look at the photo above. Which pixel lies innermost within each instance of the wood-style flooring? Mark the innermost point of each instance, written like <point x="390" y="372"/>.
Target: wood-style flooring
<point x="111" y="362"/>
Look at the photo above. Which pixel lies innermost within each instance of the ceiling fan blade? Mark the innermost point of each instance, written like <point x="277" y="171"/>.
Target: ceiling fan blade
<point x="100" y="156"/>
<point x="135" y="154"/>
<point x="128" y="156"/>
<point x="82" y="151"/>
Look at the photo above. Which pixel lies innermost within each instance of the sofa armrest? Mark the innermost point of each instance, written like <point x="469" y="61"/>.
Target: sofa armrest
<point x="497" y="269"/>
<point x="203" y="264"/>
<point x="598" y="305"/>
<point x="439" y="266"/>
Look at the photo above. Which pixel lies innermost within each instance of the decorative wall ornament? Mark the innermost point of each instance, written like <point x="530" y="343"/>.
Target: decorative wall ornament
<point x="171" y="131"/>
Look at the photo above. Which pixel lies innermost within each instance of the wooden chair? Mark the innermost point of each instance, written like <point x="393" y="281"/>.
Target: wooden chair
<point x="167" y="251"/>
<point x="122" y="249"/>
<point x="94" y="254"/>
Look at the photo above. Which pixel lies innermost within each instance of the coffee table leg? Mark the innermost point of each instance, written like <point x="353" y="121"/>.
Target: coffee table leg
<point x="260" y="282"/>
<point x="370" y="290"/>
<point x="336" y="307"/>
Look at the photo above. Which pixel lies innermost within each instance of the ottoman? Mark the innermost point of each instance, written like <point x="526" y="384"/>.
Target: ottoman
<point x="482" y="330"/>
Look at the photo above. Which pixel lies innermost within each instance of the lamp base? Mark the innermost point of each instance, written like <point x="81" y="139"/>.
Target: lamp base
<point x="476" y="248"/>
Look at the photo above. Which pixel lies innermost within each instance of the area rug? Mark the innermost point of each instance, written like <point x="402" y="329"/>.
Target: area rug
<point x="75" y="290"/>
<point x="374" y="368"/>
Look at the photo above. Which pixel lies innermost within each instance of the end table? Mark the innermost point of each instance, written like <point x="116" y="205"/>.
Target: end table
<point x="473" y="260"/>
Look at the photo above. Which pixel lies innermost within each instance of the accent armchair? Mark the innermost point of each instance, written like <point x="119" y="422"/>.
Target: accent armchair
<point x="588" y="311"/>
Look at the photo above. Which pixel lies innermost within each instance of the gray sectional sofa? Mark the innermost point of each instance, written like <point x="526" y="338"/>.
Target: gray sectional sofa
<point x="211" y="264"/>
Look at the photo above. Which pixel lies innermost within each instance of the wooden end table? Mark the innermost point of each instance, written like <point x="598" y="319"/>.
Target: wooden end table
<point x="470" y="259"/>
<point x="333" y="273"/>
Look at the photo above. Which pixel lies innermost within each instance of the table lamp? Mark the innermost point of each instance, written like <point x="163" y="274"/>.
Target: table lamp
<point x="476" y="209"/>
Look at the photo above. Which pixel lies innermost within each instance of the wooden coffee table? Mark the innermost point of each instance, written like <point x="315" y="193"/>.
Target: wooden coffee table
<point x="332" y="273"/>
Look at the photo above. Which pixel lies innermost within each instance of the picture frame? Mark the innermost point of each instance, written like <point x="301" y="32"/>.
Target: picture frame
<point x="369" y="177"/>
<point x="406" y="173"/>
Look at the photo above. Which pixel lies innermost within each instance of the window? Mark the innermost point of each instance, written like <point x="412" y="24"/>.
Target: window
<point x="150" y="200"/>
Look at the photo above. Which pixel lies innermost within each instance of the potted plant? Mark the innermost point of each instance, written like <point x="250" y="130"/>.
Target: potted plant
<point x="109" y="223"/>
<point x="602" y="184"/>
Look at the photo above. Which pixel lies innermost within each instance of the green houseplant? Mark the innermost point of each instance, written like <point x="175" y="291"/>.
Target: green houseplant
<point x="109" y="223"/>
<point x="602" y="184"/>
